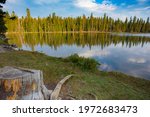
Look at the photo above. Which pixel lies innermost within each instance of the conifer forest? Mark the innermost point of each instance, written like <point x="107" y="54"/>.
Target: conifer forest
<point x="54" y="23"/>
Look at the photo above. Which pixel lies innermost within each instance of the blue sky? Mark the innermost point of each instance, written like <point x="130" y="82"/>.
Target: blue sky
<point x="114" y="8"/>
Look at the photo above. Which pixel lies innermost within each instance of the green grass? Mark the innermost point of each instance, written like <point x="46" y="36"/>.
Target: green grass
<point x="88" y="83"/>
<point x="86" y="64"/>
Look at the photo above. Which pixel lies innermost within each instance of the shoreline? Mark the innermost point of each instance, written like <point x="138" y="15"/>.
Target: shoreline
<point x="87" y="84"/>
<point x="58" y="32"/>
<point x="5" y="46"/>
<point x="10" y="48"/>
<point x="76" y="32"/>
<point x="103" y="85"/>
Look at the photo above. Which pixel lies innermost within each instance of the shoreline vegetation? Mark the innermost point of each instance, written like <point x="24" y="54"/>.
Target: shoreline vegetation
<point x="61" y="32"/>
<point x="88" y="82"/>
<point x="74" y="32"/>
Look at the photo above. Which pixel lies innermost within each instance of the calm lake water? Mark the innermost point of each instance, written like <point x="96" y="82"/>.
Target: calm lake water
<point x="127" y="53"/>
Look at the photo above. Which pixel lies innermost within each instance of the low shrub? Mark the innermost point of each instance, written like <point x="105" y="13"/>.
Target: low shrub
<point x="83" y="63"/>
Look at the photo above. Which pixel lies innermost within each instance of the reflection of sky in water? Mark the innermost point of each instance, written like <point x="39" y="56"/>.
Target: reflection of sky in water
<point x="134" y="61"/>
<point x="130" y="34"/>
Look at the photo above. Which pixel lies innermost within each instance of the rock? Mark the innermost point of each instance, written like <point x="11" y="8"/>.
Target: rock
<point x="2" y="50"/>
<point x="14" y="45"/>
<point x="22" y="84"/>
<point x="6" y="48"/>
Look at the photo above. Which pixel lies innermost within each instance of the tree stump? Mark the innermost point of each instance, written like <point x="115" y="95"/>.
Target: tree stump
<point x="22" y="84"/>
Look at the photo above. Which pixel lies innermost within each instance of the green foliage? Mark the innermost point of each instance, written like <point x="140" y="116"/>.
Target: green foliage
<point x="1" y="42"/>
<point x="2" y="2"/>
<point x="3" y="39"/>
<point x="2" y="15"/>
<point x="83" y="63"/>
<point x="54" y="23"/>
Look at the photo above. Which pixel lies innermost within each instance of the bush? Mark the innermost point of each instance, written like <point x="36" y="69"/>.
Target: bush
<point x="83" y="63"/>
<point x="3" y="39"/>
<point x="2" y="42"/>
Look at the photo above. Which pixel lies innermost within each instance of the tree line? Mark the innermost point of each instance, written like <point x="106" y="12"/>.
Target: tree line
<point x="54" y="23"/>
<point x="2" y="15"/>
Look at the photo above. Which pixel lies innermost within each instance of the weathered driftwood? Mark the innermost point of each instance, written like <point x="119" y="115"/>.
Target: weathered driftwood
<point x="22" y="84"/>
<point x="56" y="91"/>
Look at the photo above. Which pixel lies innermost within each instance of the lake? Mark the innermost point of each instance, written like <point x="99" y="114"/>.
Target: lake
<point x="126" y="53"/>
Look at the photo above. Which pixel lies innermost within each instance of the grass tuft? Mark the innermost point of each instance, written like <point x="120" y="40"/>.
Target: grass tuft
<point x="87" y="64"/>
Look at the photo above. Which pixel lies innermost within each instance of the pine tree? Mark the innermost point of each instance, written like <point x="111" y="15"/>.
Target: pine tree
<point x="147" y="25"/>
<point x="2" y="15"/>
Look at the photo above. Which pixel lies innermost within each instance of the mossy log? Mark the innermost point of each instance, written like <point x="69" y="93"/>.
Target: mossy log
<point x="22" y="84"/>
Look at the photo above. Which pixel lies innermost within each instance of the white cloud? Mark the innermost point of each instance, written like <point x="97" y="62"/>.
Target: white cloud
<point x="91" y="5"/>
<point x="40" y="2"/>
<point x="141" y="12"/>
<point x="13" y="4"/>
<point x="105" y="67"/>
<point x="137" y="60"/>
<point x="93" y="53"/>
<point x="143" y="9"/>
